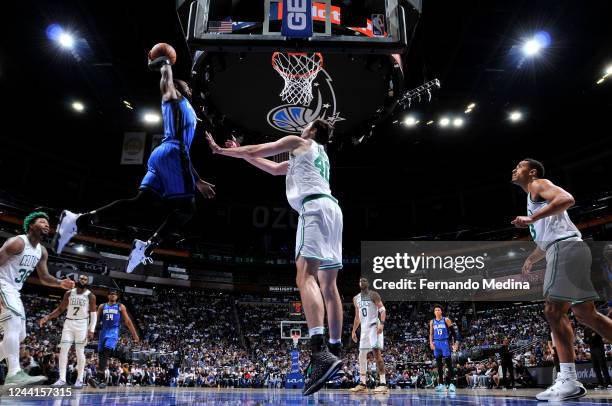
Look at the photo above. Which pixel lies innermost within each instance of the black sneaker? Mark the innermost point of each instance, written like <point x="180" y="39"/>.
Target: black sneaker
<point x="335" y="349"/>
<point x="324" y="366"/>
<point x="92" y="382"/>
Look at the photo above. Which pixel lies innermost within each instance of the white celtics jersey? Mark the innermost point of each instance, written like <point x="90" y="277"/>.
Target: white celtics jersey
<point x="78" y="305"/>
<point x="368" y="312"/>
<point x="552" y="228"/>
<point x="20" y="266"/>
<point x="307" y="174"/>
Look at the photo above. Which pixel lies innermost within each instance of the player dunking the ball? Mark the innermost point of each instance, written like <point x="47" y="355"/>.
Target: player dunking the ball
<point x="19" y="256"/>
<point x="439" y="341"/>
<point x="370" y="315"/>
<point x="318" y="247"/>
<point x="79" y="327"/>
<point x="170" y="178"/>
<point x="567" y="283"/>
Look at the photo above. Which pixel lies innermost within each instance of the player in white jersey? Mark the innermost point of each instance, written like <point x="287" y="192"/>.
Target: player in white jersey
<point x="81" y="316"/>
<point x="567" y="281"/>
<point x="370" y="315"/>
<point x="319" y="235"/>
<point x="19" y="256"/>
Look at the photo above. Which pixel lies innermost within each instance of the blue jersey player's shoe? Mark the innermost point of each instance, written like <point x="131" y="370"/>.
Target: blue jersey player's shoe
<point x="66" y="229"/>
<point x="138" y="256"/>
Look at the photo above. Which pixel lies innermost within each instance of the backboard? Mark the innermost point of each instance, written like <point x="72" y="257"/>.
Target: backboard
<point x="338" y="26"/>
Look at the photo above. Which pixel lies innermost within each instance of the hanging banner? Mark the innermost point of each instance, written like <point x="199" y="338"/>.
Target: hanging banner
<point x="133" y="148"/>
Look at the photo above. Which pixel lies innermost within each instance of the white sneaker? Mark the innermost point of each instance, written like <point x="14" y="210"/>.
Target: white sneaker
<point x="66" y="229"/>
<point x="137" y="256"/>
<point x="78" y="385"/>
<point x="563" y="389"/>
<point x="59" y="382"/>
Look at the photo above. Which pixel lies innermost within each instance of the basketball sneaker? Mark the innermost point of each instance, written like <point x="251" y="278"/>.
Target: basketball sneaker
<point x="381" y="389"/>
<point x="440" y="388"/>
<point x="324" y="366"/>
<point x="452" y="388"/>
<point x="66" y="229"/>
<point x="78" y="385"/>
<point x="361" y="388"/>
<point x="23" y="379"/>
<point x="59" y="382"/>
<point x="138" y="256"/>
<point x="563" y="389"/>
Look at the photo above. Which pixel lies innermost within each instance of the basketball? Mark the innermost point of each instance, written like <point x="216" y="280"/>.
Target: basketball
<point x="163" y="49"/>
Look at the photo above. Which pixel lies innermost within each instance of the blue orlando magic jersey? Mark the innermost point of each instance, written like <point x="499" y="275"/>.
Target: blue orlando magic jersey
<point x="111" y="316"/>
<point x="179" y="121"/>
<point x="440" y="330"/>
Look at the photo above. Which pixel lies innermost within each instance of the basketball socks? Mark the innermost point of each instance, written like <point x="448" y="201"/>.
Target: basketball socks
<point x="568" y="370"/>
<point x="383" y="380"/>
<point x="316" y="331"/>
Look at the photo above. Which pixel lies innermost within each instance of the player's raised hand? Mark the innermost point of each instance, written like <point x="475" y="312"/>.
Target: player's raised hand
<point x="67" y="284"/>
<point x="232" y="143"/>
<point x="207" y="189"/>
<point x="213" y="145"/>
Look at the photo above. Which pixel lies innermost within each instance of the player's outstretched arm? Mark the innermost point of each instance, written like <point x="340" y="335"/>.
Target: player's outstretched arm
<point x="58" y="310"/>
<point x="166" y="84"/>
<point x="271" y="167"/>
<point x="129" y="324"/>
<point x="266" y="165"/>
<point x="46" y="278"/>
<point x="285" y="144"/>
<point x="12" y="246"/>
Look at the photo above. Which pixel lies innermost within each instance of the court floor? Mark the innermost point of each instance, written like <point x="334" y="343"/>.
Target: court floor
<point x="239" y="397"/>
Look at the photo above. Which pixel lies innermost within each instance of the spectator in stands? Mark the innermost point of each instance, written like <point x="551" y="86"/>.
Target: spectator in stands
<point x="598" y="357"/>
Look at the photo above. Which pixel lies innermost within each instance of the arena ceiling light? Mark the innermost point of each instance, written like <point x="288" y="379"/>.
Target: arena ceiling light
<point x="515" y="116"/>
<point x="534" y="45"/>
<point x="430" y="122"/>
<point x="151" y="118"/>
<point x="78" y="106"/>
<point x="56" y="33"/>
<point x="80" y="249"/>
<point x="66" y="40"/>
<point x="458" y="122"/>
<point x="471" y="106"/>
<point x="444" y="122"/>
<point x="410" y="121"/>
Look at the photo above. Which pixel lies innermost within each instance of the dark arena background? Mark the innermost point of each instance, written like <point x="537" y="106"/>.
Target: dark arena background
<point x="433" y="104"/>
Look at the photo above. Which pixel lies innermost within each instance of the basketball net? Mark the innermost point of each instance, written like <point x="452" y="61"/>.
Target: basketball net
<point x="295" y="337"/>
<point x="298" y="70"/>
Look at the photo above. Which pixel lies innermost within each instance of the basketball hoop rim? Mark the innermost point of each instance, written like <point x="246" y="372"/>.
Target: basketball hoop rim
<point x="303" y="75"/>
